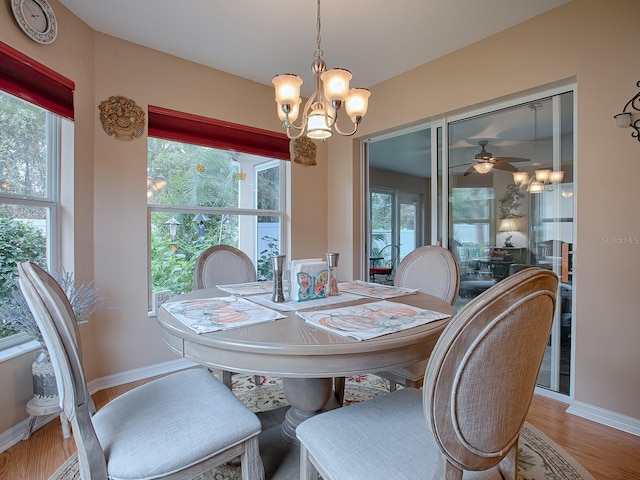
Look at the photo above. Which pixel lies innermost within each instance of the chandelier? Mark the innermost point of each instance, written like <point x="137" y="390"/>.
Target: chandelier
<point x="320" y="113"/>
<point x="543" y="179"/>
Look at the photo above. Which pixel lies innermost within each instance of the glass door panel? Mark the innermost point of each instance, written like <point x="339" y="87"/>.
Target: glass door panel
<point x="511" y="197"/>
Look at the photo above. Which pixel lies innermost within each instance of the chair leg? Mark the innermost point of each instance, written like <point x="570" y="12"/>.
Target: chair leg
<point x="338" y="387"/>
<point x="251" y="462"/>
<point x="307" y="470"/>
<point x="257" y="379"/>
<point x="226" y="378"/>
<point x="392" y="386"/>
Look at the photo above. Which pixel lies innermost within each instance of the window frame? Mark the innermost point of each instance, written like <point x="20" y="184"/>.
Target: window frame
<point x="175" y="126"/>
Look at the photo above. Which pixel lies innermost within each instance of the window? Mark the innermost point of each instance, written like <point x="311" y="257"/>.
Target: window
<point x="34" y="101"/>
<point x="211" y="183"/>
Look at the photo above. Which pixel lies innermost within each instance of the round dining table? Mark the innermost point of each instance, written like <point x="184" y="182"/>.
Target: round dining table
<point x="306" y="357"/>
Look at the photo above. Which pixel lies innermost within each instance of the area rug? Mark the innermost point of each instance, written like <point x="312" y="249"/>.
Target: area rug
<point x="539" y="457"/>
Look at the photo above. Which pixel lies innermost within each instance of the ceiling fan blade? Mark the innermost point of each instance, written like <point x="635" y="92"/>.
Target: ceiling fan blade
<point x="510" y="159"/>
<point x="505" y="166"/>
<point x="469" y="171"/>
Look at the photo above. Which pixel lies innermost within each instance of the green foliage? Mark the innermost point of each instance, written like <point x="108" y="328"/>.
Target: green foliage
<point x="19" y="242"/>
<point x="265" y="267"/>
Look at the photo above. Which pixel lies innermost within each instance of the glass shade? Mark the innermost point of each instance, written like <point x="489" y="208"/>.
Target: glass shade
<point x="317" y="126"/>
<point x="542" y="175"/>
<point x="287" y="88"/>
<point x="520" y="178"/>
<point x="293" y="113"/>
<point x="483" y="167"/>
<point x="536" y="187"/>
<point x="357" y="103"/>
<point x="336" y="84"/>
<point x="556" y="176"/>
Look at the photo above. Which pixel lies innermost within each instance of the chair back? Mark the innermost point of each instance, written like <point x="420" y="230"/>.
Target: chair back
<point x="55" y="318"/>
<point x="482" y="372"/>
<point x="433" y="270"/>
<point x="223" y="264"/>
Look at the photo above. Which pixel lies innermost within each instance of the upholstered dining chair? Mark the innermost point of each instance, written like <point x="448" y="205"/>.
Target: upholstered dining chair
<point x="433" y="270"/>
<point x="174" y="427"/>
<point x="224" y="265"/>
<point x="467" y="418"/>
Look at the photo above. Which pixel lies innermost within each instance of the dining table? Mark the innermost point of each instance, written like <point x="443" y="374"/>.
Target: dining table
<point x="306" y="357"/>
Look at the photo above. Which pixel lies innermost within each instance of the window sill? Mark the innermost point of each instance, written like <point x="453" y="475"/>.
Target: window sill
<point x="18" y="350"/>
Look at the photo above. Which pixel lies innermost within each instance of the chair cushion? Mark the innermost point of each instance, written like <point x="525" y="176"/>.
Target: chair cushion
<point x="168" y="424"/>
<point x="397" y="445"/>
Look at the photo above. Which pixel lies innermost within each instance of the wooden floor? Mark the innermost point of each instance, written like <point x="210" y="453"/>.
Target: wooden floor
<point x="606" y="452"/>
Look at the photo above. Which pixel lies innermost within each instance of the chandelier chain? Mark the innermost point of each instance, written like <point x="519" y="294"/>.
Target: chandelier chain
<point x="318" y="52"/>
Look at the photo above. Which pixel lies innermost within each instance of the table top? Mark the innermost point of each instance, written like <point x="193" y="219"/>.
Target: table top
<point x="290" y="347"/>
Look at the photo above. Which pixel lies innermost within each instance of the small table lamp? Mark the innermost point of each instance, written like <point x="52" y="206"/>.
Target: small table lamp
<point x="507" y="225"/>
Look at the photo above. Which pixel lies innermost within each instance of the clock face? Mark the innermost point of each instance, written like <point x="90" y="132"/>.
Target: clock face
<point x="36" y="19"/>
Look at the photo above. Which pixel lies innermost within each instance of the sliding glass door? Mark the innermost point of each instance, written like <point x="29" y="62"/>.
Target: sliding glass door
<point x="502" y="201"/>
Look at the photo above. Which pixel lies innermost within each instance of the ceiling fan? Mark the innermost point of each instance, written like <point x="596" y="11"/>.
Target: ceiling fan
<point x="485" y="161"/>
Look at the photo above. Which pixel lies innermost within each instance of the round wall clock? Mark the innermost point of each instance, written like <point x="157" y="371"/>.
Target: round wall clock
<point x="36" y="19"/>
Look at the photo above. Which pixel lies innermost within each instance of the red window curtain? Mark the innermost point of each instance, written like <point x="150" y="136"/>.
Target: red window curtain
<point x="27" y="79"/>
<point x="187" y="128"/>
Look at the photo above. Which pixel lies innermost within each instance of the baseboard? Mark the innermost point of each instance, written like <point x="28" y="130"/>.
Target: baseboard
<point x="605" y="417"/>
<point x="15" y="434"/>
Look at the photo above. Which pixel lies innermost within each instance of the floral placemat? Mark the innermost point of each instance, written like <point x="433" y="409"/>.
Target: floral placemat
<point x="291" y="306"/>
<point x="204" y="315"/>
<point x="375" y="290"/>
<point x="250" y="288"/>
<point x="371" y="320"/>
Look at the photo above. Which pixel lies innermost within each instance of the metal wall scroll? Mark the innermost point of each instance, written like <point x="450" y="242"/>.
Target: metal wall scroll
<point x="121" y="117"/>
<point x="303" y="151"/>
<point x="625" y="118"/>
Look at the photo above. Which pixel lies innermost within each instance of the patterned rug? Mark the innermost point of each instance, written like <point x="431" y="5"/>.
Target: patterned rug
<point x="539" y="457"/>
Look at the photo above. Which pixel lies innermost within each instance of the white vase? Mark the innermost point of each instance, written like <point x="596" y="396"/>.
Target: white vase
<point x="45" y="391"/>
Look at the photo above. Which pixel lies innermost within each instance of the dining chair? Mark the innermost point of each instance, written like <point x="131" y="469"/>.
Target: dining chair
<point x="434" y="270"/>
<point x="224" y="265"/>
<point x="467" y="417"/>
<point x="390" y="255"/>
<point x="174" y="427"/>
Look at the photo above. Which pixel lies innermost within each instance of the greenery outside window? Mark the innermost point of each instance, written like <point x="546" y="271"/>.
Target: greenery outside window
<point x="29" y="149"/>
<point x="200" y="196"/>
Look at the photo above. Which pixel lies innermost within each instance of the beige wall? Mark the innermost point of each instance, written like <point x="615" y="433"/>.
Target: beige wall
<point x="594" y="44"/>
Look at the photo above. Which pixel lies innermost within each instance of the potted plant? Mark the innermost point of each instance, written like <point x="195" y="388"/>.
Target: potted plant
<point x="16" y="317"/>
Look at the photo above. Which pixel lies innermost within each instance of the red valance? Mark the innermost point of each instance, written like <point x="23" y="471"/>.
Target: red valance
<point x="188" y="128"/>
<point x="27" y="79"/>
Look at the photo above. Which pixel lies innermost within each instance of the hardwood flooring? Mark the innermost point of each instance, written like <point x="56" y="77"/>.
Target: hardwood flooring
<point x="606" y="452"/>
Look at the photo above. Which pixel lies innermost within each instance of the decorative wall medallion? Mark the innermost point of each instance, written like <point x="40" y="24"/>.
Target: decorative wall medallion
<point x="303" y="151"/>
<point x="121" y="117"/>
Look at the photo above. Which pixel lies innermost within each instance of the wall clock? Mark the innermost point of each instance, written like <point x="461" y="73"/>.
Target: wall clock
<point x="36" y="19"/>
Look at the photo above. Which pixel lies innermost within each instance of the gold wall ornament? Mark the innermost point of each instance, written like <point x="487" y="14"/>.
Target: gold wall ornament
<point x="121" y="117"/>
<point x="303" y="151"/>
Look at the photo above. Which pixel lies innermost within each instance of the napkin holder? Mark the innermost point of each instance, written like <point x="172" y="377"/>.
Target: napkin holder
<point x="308" y="279"/>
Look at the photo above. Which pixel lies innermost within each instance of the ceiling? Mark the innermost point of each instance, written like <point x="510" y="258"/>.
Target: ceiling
<point x="257" y="39"/>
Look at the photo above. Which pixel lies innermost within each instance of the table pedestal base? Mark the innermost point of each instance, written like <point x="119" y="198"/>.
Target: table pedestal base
<point x="279" y="446"/>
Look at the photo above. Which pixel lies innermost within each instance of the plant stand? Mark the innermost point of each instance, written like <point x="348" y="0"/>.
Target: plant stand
<point x="35" y="411"/>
